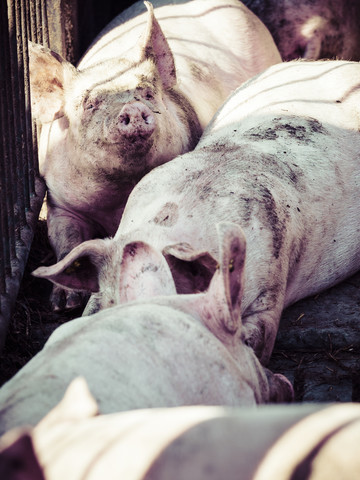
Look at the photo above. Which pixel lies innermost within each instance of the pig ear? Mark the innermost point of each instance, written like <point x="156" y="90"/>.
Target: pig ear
<point x="79" y="269"/>
<point x="191" y="269"/>
<point x="144" y="273"/>
<point x="77" y="404"/>
<point x="18" y="459"/>
<point x="280" y="388"/>
<point x="156" y="47"/>
<point x="226" y="287"/>
<point x="48" y="75"/>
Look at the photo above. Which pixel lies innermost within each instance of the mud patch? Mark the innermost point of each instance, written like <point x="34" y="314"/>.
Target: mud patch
<point x="288" y="126"/>
<point x="168" y="215"/>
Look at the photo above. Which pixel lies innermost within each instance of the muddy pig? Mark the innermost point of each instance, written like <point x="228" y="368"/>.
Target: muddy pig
<point x="141" y="95"/>
<point x="312" y="29"/>
<point x="281" y="159"/>
<point x="280" y="442"/>
<point x="167" y="351"/>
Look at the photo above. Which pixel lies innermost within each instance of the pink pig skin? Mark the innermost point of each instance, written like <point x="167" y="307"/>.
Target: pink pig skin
<point x="280" y="159"/>
<point x="141" y="95"/>
<point x="73" y="441"/>
<point x="162" y="351"/>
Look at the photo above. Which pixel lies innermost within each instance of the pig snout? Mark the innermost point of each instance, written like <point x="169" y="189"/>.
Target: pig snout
<point x="136" y="119"/>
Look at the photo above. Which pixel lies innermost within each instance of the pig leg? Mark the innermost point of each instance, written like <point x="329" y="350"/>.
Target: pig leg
<point x="66" y="230"/>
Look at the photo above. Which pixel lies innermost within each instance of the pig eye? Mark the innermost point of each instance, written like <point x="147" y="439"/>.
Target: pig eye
<point x="91" y="105"/>
<point x="149" y="95"/>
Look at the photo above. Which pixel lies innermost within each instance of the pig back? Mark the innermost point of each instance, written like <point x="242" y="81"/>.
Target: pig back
<point x="135" y="356"/>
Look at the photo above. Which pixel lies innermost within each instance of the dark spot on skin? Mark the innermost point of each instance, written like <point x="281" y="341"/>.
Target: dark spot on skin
<point x="268" y="134"/>
<point x="168" y="215"/>
<point x="298" y="132"/>
<point x="293" y="176"/>
<point x="131" y="249"/>
<point x="145" y="82"/>
<point x="289" y="126"/>
<point x="149" y="268"/>
<point x="197" y="72"/>
<point x="277" y="226"/>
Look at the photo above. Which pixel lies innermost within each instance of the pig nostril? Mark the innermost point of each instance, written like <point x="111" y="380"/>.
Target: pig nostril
<point x="148" y="119"/>
<point x="145" y="118"/>
<point x="125" y="120"/>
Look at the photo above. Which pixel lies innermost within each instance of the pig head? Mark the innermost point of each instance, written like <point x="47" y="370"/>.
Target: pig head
<point x="272" y="441"/>
<point x="164" y="351"/>
<point x="274" y="160"/>
<point x="138" y="98"/>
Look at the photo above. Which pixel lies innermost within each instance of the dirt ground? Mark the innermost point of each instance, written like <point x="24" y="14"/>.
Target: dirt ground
<point x="318" y="345"/>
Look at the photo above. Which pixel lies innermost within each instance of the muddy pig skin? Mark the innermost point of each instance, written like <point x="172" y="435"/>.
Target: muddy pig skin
<point x="312" y="29"/>
<point x="181" y="443"/>
<point x="157" y="353"/>
<point x="281" y="159"/>
<point x="141" y="95"/>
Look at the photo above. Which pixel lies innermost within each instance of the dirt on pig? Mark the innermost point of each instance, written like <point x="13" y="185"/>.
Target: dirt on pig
<point x="317" y="348"/>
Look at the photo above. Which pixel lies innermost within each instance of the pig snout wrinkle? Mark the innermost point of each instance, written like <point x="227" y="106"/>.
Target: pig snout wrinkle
<point x="136" y="119"/>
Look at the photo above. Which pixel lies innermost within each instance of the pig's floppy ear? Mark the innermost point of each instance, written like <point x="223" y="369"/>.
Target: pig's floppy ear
<point x="192" y="270"/>
<point x="48" y="75"/>
<point x="79" y="269"/>
<point x="226" y="287"/>
<point x="156" y="47"/>
<point x="18" y="458"/>
<point x="77" y="404"/>
<point x="144" y="273"/>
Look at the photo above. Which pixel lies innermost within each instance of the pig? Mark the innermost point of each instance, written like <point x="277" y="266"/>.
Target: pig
<point x="141" y="95"/>
<point x="159" y="352"/>
<point x="280" y="159"/>
<point x="192" y="442"/>
<point x="312" y="29"/>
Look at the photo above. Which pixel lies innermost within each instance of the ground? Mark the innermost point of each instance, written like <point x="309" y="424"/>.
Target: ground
<point x="318" y="344"/>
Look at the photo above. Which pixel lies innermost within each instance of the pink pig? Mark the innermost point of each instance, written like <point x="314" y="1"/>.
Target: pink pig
<point x="73" y="442"/>
<point x="164" y="351"/>
<point x="141" y="95"/>
<point x="280" y="159"/>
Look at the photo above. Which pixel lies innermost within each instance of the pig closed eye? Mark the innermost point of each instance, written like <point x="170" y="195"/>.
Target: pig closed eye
<point x="91" y="105"/>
